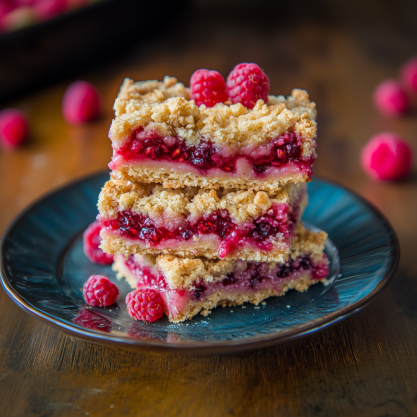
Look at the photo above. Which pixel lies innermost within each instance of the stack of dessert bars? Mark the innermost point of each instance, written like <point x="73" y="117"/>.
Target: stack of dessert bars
<point x="204" y="204"/>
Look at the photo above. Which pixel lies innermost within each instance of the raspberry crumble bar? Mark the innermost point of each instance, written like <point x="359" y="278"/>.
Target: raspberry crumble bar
<point x="189" y="286"/>
<point x="230" y="224"/>
<point x="207" y="191"/>
<point x="160" y="135"/>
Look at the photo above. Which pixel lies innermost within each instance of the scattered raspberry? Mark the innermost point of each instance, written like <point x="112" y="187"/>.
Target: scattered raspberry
<point x="390" y="98"/>
<point x="47" y="9"/>
<point x="409" y="73"/>
<point x="5" y="9"/>
<point x="146" y="305"/>
<point x="13" y="128"/>
<point x="91" y="242"/>
<point x="246" y="84"/>
<point x="81" y="102"/>
<point x="100" y="291"/>
<point x="208" y="87"/>
<point x="387" y="156"/>
<point x="19" y="18"/>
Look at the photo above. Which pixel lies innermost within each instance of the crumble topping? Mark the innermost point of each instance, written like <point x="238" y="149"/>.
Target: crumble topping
<point x="185" y="272"/>
<point x="154" y="200"/>
<point x="166" y="107"/>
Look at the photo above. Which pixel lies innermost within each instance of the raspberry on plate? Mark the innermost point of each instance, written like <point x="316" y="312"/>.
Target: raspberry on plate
<point x="99" y="291"/>
<point x="247" y="84"/>
<point x="13" y="128"/>
<point x="390" y="98"/>
<point x="208" y="88"/>
<point x="387" y="156"/>
<point x="409" y="74"/>
<point x="91" y="242"/>
<point x="81" y="103"/>
<point x="146" y="305"/>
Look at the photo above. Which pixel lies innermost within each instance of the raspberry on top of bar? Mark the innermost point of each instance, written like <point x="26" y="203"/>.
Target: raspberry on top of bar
<point x="189" y="222"/>
<point x="160" y="135"/>
<point x="189" y="286"/>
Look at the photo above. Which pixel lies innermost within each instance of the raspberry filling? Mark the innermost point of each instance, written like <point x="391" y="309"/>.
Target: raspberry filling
<point x="147" y="144"/>
<point x="277" y="222"/>
<point x="256" y="276"/>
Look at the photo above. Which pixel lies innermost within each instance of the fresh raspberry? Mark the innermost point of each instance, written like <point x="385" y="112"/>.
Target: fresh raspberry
<point x="390" y="98"/>
<point x="246" y="84"/>
<point x="208" y="87"/>
<point x="100" y="291"/>
<point x="91" y="242"/>
<point x="75" y="4"/>
<point x="13" y="128"/>
<point x="19" y="18"/>
<point x="5" y="9"/>
<point x="409" y="73"/>
<point x="146" y="305"/>
<point x="81" y="102"/>
<point x="387" y="156"/>
<point x="47" y="9"/>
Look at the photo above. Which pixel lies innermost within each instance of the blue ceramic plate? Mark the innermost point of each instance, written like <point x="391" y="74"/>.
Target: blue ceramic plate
<point x="43" y="268"/>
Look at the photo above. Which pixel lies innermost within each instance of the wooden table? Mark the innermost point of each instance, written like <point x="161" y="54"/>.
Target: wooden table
<point x="364" y="366"/>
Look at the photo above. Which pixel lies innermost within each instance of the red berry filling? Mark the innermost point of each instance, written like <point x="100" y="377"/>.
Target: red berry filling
<point x="257" y="273"/>
<point x="277" y="220"/>
<point x="151" y="145"/>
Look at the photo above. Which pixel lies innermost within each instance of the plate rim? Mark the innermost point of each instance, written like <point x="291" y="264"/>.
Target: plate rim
<point x="224" y="347"/>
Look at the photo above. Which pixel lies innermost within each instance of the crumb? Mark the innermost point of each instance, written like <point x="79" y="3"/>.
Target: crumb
<point x="169" y="110"/>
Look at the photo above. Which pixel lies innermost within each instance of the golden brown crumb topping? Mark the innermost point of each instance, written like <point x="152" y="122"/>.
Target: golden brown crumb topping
<point x="166" y="107"/>
<point x="154" y="200"/>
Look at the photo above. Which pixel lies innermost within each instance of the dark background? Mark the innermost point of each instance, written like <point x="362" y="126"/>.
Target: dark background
<point x="338" y="51"/>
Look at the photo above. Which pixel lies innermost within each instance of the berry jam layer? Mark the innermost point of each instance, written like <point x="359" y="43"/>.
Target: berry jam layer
<point x="159" y="135"/>
<point x="143" y="218"/>
<point x="150" y="157"/>
<point x="192" y="286"/>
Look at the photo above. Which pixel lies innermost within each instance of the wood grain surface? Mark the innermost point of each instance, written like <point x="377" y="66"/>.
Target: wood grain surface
<point x="364" y="366"/>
